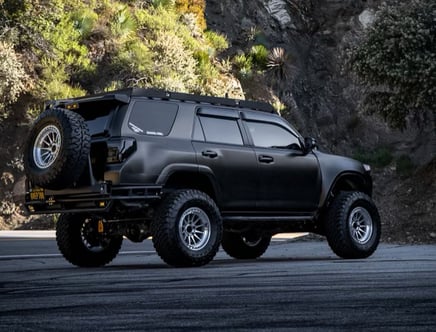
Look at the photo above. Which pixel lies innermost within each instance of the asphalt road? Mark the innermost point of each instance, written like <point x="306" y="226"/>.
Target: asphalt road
<point x="297" y="285"/>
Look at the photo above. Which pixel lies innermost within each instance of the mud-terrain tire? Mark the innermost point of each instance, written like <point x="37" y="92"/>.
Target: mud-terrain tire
<point x="80" y="243"/>
<point x="353" y="225"/>
<point x="245" y="246"/>
<point x="187" y="229"/>
<point x="56" y="151"/>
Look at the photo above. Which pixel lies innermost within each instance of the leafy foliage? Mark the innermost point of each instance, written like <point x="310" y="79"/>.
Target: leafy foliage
<point x="12" y="76"/>
<point x="396" y="61"/>
<point x="259" y="54"/>
<point x="75" y="47"/>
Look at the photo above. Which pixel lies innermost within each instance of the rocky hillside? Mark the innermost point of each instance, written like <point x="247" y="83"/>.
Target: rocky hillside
<point x="291" y="53"/>
<point x="324" y="102"/>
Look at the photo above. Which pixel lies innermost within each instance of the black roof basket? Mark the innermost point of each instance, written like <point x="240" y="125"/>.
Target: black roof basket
<point x="124" y="96"/>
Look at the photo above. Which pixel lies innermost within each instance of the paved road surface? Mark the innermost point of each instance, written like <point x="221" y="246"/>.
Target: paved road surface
<point x="298" y="286"/>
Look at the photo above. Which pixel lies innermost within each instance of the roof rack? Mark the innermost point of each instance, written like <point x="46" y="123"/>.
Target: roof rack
<point x="167" y="95"/>
<point x="124" y="96"/>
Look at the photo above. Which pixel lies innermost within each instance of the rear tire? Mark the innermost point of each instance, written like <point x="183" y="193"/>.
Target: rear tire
<point x="80" y="243"/>
<point x="187" y="229"/>
<point x="245" y="246"/>
<point x="353" y="226"/>
<point x="56" y="151"/>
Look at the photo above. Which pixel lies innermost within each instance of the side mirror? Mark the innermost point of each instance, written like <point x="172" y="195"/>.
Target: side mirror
<point x="309" y="144"/>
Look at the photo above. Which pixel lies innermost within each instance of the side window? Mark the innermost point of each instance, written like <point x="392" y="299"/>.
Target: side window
<point x="268" y="135"/>
<point x="152" y="117"/>
<point x="220" y="130"/>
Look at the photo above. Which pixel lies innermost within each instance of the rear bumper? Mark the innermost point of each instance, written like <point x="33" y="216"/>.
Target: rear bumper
<point x="99" y="197"/>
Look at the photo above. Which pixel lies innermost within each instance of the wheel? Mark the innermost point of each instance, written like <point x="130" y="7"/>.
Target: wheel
<point x="56" y="151"/>
<point x="245" y="246"/>
<point x="80" y="243"/>
<point x="187" y="229"/>
<point x="353" y="225"/>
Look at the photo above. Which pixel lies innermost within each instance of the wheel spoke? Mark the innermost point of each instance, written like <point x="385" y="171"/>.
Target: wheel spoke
<point x="46" y="146"/>
<point x="360" y="224"/>
<point x="194" y="228"/>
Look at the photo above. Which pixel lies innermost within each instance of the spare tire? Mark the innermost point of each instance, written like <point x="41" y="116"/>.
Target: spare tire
<point x="57" y="149"/>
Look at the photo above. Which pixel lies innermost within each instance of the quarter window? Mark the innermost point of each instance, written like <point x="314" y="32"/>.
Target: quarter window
<point x="220" y="130"/>
<point x="268" y="135"/>
<point x="152" y="118"/>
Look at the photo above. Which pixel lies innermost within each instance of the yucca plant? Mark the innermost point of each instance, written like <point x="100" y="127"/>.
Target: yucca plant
<point x="124" y="23"/>
<point x="84" y="21"/>
<point x="276" y="62"/>
<point x="259" y="53"/>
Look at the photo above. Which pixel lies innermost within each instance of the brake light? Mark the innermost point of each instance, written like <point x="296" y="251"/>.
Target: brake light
<point x="119" y="149"/>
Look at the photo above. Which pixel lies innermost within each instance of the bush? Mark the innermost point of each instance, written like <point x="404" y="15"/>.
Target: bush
<point x="84" y="20"/>
<point x="378" y="157"/>
<point x="216" y="40"/>
<point x="175" y="65"/>
<point x="244" y="64"/>
<point x="13" y="78"/>
<point x="259" y="54"/>
<point x="396" y="61"/>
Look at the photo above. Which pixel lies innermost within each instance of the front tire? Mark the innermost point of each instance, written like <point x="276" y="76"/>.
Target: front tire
<point x="80" y="243"/>
<point x="353" y="226"/>
<point x="187" y="229"/>
<point x="245" y="246"/>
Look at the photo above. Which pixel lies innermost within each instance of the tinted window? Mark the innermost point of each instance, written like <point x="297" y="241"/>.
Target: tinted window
<point x="269" y="135"/>
<point x="152" y="118"/>
<point x="221" y="130"/>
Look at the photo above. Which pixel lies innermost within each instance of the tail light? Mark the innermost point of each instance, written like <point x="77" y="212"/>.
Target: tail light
<point x="119" y="149"/>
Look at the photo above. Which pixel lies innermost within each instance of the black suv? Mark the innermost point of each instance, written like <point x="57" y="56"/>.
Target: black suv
<point x="193" y="172"/>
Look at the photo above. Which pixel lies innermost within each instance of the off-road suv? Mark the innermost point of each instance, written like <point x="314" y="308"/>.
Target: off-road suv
<point x="193" y="172"/>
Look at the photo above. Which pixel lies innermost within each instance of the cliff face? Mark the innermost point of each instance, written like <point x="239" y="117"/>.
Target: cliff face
<point x="322" y="101"/>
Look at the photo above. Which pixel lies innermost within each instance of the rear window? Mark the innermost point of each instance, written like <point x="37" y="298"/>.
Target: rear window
<point x="97" y="115"/>
<point x="152" y="117"/>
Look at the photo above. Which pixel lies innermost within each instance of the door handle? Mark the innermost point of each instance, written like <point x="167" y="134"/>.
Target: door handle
<point x="209" y="153"/>
<point x="266" y="159"/>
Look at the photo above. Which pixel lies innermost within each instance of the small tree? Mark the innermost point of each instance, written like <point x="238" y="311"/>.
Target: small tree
<point x="396" y="62"/>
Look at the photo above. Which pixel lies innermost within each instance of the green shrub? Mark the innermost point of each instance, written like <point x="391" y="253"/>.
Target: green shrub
<point x="378" y="157"/>
<point x="259" y="54"/>
<point x="175" y="66"/>
<point x="13" y="78"/>
<point x="216" y="40"/>
<point x="244" y="64"/>
<point x="84" y="20"/>
<point x="123" y="23"/>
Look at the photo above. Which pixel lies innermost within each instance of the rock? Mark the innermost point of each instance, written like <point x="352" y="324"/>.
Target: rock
<point x="7" y="178"/>
<point x="366" y="18"/>
<point x="277" y="9"/>
<point x="433" y="235"/>
<point x="19" y="190"/>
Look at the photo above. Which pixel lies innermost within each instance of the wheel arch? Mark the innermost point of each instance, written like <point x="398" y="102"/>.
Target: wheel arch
<point x="349" y="181"/>
<point x="190" y="177"/>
